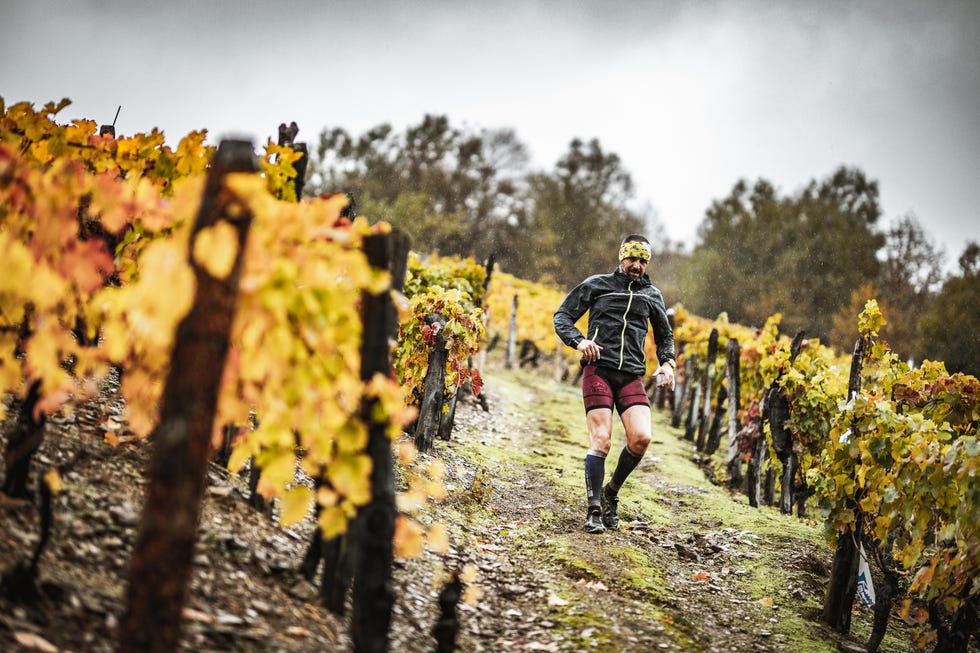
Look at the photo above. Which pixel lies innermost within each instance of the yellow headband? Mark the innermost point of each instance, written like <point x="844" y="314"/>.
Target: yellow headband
<point x="634" y="249"/>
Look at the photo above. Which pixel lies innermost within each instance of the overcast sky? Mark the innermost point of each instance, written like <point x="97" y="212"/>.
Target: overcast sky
<point x="691" y="95"/>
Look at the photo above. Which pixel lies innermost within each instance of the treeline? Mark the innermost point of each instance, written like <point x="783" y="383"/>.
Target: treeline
<point x="472" y="192"/>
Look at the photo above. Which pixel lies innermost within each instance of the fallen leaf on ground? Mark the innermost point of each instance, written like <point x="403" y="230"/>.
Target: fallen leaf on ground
<point x="197" y="615"/>
<point x="593" y="584"/>
<point x="554" y="599"/>
<point x="35" y="642"/>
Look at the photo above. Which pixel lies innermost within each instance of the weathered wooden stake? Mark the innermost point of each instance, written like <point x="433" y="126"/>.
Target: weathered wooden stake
<point x="714" y="432"/>
<point x="24" y="440"/>
<point x="433" y="388"/>
<point x="161" y="559"/>
<point x="511" y="359"/>
<point x="733" y="363"/>
<point x="707" y="383"/>
<point x="373" y="530"/>
<point x="682" y="393"/>
<point x="341" y="554"/>
<point x="843" y="571"/>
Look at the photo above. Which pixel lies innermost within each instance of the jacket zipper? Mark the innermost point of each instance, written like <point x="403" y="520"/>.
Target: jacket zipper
<point x="622" y="336"/>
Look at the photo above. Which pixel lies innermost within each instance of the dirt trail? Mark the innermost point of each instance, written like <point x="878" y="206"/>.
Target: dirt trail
<point x="682" y="573"/>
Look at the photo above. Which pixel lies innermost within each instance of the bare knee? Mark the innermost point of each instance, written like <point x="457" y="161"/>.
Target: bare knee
<point x="638" y="443"/>
<point x="600" y="441"/>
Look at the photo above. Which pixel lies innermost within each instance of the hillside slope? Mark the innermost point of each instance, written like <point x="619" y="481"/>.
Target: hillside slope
<point x="692" y="568"/>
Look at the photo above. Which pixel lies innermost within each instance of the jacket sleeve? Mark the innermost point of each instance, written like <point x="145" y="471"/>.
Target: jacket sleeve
<point x="662" y="332"/>
<point x="574" y="306"/>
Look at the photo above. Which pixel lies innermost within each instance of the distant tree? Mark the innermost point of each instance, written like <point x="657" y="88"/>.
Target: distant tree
<point x="455" y="191"/>
<point x="578" y="215"/>
<point x="670" y="264"/>
<point x="836" y="247"/>
<point x="735" y="267"/>
<point x="949" y="326"/>
<point x="470" y="193"/>
<point x="802" y="256"/>
<point x="911" y="271"/>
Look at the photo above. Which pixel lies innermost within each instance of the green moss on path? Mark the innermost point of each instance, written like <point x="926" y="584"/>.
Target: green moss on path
<point x="692" y="568"/>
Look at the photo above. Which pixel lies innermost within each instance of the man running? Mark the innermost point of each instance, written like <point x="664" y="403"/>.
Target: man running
<point x="620" y="306"/>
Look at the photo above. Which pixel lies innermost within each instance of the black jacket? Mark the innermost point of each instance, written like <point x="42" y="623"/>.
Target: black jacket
<point x="619" y="309"/>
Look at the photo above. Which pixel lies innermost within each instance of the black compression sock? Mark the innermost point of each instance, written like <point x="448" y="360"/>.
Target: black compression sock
<point x="595" y="471"/>
<point x="627" y="463"/>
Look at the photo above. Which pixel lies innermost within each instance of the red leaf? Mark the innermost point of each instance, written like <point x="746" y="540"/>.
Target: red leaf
<point x="87" y="263"/>
<point x="477" y="382"/>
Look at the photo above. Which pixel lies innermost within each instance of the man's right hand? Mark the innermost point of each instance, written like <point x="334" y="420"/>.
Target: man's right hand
<point x="590" y="350"/>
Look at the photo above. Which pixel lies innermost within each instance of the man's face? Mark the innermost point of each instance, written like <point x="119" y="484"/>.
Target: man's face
<point x="634" y="267"/>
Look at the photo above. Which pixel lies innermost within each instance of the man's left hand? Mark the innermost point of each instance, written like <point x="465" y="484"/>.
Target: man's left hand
<point x="667" y="371"/>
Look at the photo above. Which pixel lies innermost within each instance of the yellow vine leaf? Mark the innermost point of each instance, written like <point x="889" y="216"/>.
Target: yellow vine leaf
<point x="438" y="538"/>
<point x="349" y="474"/>
<point x="472" y="595"/>
<point x="53" y="480"/>
<point x="407" y="452"/>
<point x="276" y="473"/>
<point x="408" y="537"/>
<point x="332" y="521"/>
<point x="436" y="490"/>
<point x="216" y="248"/>
<point x="469" y="573"/>
<point x="295" y="505"/>
<point x="240" y="454"/>
<point x="44" y="355"/>
<point x="352" y="437"/>
<point x="251" y="190"/>
<point x="164" y="262"/>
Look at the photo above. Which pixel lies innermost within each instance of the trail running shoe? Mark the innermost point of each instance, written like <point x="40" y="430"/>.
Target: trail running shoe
<point x="610" y="508"/>
<point x="593" y="522"/>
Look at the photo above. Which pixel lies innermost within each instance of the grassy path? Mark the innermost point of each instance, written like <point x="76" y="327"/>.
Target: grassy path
<point x="692" y="567"/>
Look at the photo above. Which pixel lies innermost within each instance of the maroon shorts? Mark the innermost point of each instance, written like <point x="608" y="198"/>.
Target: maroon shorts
<point x="603" y="387"/>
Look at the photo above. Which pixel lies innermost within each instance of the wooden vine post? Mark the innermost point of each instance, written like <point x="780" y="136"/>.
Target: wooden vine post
<point x="714" y="432"/>
<point x="704" y="421"/>
<point x="511" y="359"/>
<point x="340" y="554"/>
<point x="776" y="412"/>
<point x="488" y="276"/>
<point x="23" y="442"/>
<point x="161" y="559"/>
<point x="733" y="363"/>
<point x="433" y="389"/>
<point x="287" y="138"/>
<point x="843" y="571"/>
<point x="694" y="394"/>
<point x="373" y="529"/>
<point x="682" y="393"/>
<point x="734" y="457"/>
